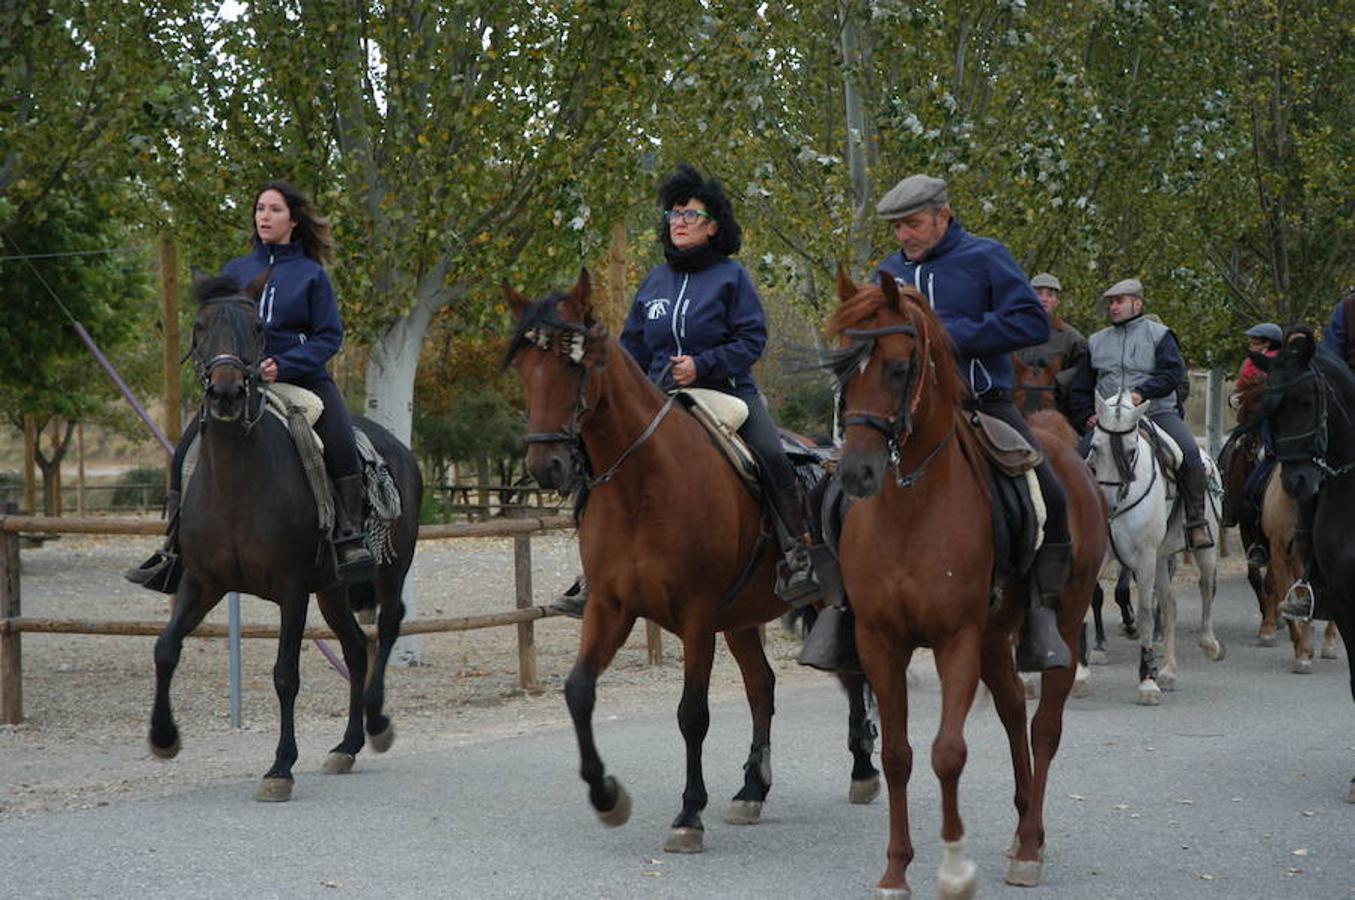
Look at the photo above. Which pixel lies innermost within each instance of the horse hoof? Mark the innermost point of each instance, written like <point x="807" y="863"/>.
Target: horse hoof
<point x="893" y="894"/>
<point x="864" y="790"/>
<point x="381" y="741"/>
<point x="1025" y="872"/>
<point x="338" y="763"/>
<point x="1265" y="640"/>
<point x="619" y="814"/>
<point x="686" y="840"/>
<point x="274" y="790"/>
<point x="961" y="886"/>
<point x="1330" y="653"/>
<point x="1166" y="681"/>
<point x="1149" y="694"/>
<point x="1214" y="650"/>
<point x="1303" y="667"/>
<point x="744" y="812"/>
<point x="164" y="752"/>
<point x="1098" y="658"/>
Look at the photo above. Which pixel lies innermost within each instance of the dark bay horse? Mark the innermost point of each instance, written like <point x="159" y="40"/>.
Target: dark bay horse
<point x="1238" y="460"/>
<point x="1034" y="383"/>
<point x="918" y="560"/>
<point x="1310" y="405"/>
<point x="249" y="523"/>
<point x="668" y="532"/>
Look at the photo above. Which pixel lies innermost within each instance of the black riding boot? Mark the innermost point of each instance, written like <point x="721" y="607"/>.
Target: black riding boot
<point x="355" y="562"/>
<point x="831" y="642"/>
<point x="1041" y="646"/>
<point x="162" y="571"/>
<point x="1192" y="493"/>
<point x="796" y="583"/>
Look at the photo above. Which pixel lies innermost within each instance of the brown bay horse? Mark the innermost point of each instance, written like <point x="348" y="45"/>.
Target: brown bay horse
<point x="668" y="532"/>
<point x="918" y="560"/>
<point x="1279" y="516"/>
<point x="1238" y="459"/>
<point x="1034" y="383"/>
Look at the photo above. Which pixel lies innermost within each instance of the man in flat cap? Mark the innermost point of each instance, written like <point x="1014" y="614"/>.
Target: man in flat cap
<point x="1062" y="352"/>
<point x="990" y="310"/>
<point x="1140" y="355"/>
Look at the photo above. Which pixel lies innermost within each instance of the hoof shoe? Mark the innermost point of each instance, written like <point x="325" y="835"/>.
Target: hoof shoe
<point x="381" y="742"/>
<point x="1025" y="872"/>
<point x="619" y="814"/>
<point x="274" y="790"/>
<point x="744" y="812"/>
<point x="686" y="840"/>
<point x="1166" y="681"/>
<point x="865" y="790"/>
<point x="164" y="752"/>
<point x="1303" y="667"/>
<point x="1149" y="695"/>
<point x="338" y="764"/>
<point x="1098" y="658"/>
<point x="893" y="894"/>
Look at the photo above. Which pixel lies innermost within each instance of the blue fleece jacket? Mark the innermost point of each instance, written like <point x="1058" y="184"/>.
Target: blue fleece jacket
<point x="302" y="329"/>
<point x="714" y="316"/>
<point x="982" y="297"/>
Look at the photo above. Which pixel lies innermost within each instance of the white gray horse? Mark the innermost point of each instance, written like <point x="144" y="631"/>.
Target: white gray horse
<point x="1146" y="531"/>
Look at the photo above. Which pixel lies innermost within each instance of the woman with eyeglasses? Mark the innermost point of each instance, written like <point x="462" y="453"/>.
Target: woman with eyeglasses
<point x="697" y="322"/>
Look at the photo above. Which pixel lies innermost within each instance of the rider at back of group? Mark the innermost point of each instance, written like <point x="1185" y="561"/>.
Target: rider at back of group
<point x="1140" y="355"/>
<point x="1066" y="345"/>
<point x="989" y="309"/>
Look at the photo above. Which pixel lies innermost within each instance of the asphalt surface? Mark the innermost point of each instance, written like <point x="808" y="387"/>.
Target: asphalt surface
<point x="1235" y="787"/>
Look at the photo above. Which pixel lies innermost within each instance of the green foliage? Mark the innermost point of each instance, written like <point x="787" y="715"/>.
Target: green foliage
<point x="144" y="485"/>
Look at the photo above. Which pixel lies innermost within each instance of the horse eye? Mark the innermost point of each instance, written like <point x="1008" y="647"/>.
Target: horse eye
<point x="896" y="372"/>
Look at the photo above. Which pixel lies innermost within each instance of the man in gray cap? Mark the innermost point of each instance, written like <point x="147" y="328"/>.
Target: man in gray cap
<point x="990" y="311"/>
<point x="1142" y="356"/>
<point x="1063" y="351"/>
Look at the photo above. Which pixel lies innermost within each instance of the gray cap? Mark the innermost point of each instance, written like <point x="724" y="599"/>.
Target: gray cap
<point x="1045" y="280"/>
<point x="910" y="195"/>
<point x="1266" y="331"/>
<point x="1128" y="286"/>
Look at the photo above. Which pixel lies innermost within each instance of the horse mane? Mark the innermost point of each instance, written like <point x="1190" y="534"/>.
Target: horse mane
<point x="217" y="288"/>
<point x="541" y="314"/>
<point x="870" y="300"/>
<point x="1053" y="421"/>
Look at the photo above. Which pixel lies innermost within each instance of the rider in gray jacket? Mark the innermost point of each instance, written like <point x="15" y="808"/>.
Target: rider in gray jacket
<point x="1141" y="355"/>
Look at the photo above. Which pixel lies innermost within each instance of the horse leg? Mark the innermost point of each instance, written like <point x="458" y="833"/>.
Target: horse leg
<point x="1301" y="634"/>
<point x="1166" y="613"/>
<point x="887" y="672"/>
<point x="957" y="665"/>
<point x="1329" y="637"/>
<point x="389" y="584"/>
<point x="759" y="684"/>
<point x="1269" y="601"/>
<point x="861" y="734"/>
<point x="605" y="628"/>
<point x="339" y="616"/>
<point x="1097" y="656"/>
<point x="1127" y="624"/>
<point x="277" y="781"/>
<point x="1206" y="561"/>
<point x="191" y="605"/>
<point x="687" y="834"/>
<point x="1145" y="573"/>
<point x="1009" y="699"/>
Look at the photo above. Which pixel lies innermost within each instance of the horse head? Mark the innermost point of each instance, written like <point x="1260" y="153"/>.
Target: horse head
<point x="228" y="345"/>
<point x="556" y="347"/>
<point x="896" y="379"/>
<point x="1115" y="439"/>
<point x="1295" y="405"/>
<point x="1035" y="380"/>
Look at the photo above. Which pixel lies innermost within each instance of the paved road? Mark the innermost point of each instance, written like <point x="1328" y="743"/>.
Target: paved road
<point x="1234" y="788"/>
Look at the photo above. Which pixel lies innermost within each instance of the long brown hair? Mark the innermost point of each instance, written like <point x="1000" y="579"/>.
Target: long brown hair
<point x="311" y="230"/>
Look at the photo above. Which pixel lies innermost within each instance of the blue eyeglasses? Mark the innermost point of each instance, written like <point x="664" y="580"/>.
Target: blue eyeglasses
<point x="690" y="216"/>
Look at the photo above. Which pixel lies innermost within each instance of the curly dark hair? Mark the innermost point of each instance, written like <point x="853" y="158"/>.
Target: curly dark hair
<point x="686" y="183"/>
<point x="311" y="230"/>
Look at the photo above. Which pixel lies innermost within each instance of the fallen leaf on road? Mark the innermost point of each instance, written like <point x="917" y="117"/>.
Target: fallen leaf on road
<point x="1300" y="852"/>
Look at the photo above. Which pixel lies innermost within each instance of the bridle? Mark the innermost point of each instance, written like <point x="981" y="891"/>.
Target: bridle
<point x="899" y="427"/>
<point x="568" y="340"/>
<point x="251" y="372"/>
<point x="1308" y="446"/>
<point x="1126" y="460"/>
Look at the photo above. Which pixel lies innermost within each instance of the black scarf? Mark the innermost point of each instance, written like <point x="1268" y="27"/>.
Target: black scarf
<point x="693" y="259"/>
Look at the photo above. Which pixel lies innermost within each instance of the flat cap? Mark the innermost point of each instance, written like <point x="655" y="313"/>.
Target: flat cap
<point x="1045" y="280"/>
<point x="910" y="195"/>
<point x="1128" y="286"/>
<point x="1266" y="331"/>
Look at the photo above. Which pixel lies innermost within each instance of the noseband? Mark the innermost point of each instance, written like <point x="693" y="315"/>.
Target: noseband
<point x="1307" y="446"/>
<point x="251" y="371"/>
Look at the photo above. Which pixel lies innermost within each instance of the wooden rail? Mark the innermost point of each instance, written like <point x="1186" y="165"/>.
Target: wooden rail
<point x="13" y="623"/>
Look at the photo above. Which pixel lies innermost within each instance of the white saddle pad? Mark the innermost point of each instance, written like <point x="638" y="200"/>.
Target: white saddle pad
<point x="724" y="408"/>
<point x="1168" y="442"/>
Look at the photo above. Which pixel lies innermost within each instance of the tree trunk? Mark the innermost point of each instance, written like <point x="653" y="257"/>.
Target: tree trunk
<point x="51" y="468"/>
<point x="859" y="138"/>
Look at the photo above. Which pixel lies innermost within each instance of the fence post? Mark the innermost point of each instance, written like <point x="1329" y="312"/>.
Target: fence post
<point x="522" y="584"/>
<point x="11" y="657"/>
<point x="654" y="643"/>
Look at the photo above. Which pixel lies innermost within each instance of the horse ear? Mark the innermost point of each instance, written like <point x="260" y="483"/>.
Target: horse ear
<point x="582" y="295"/>
<point x="516" y="301"/>
<point x="1260" y="360"/>
<point x="254" y="289"/>
<point x="846" y="288"/>
<point x="1300" y="337"/>
<point x="890" y="288"/>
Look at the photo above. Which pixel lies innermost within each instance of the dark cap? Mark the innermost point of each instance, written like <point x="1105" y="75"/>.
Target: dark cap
<point x="1266" y="331"/>
<point x="1046" y="280"/>
<point x="910" y="195"/>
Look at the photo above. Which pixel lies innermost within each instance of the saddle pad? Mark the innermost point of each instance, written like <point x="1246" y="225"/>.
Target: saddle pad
<point x="724" y="408"/>
<point x="726" y="436"/>
<point x="1159" y="437"/>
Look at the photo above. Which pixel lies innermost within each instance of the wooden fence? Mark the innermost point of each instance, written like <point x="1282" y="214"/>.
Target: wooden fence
<point x="13" y="623"/>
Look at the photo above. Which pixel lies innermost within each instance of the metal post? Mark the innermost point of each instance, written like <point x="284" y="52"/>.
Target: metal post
<point x="233" y="602"/>
<point x="11" y="648"/>
<point x="1213" y="412"/>
<point x="522" y="584"/>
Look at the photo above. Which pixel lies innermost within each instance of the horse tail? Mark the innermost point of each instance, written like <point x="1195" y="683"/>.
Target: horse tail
<point x="1053" y="422"/>
<point x="800" y="620"/>
<point x="362" y="596"/>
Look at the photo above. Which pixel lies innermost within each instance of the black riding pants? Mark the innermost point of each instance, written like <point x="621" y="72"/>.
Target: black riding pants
<point x="1055" y="499"/>
<point x="763" y="438"/>
<point x="1173" y="424"/>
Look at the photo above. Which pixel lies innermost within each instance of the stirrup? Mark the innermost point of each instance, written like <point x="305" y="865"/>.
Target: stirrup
<point x="1257" y="557"/>
<point x="1205" y="543"/>
<point x="1299" y="602"/>
<point x="797" y="584"/>
<point x="161" y="572"/>
<point x="355" y="563"/>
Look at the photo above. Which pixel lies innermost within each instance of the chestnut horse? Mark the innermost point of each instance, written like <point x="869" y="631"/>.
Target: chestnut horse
<point x="1279" y="515"/>
<point x="1238" y="460"/>
<point x="668" y="532"/>
<point x="918" y="560"/>
<point x="1033" y="383"/>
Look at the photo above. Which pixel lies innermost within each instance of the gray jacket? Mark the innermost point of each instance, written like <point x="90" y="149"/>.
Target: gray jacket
<point x="1139" y="355"/>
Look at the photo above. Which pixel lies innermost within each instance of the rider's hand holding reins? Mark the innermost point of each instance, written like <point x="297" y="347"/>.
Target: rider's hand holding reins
<point x="684" y="370"/>
<point x="268" y="370"/>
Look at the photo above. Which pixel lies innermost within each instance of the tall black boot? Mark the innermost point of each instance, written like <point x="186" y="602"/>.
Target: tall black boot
<point x="162" y="571"/>
<point x="1192" y="493"/>
<point x="1041" y="646"/>
<point x="831" y="642"/>
<point x="355" y="562"/>
<point x="796" y="583"/>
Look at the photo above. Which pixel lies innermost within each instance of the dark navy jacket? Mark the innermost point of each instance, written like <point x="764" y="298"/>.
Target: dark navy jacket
<point x="982" y="297"/>
<point x="302" y="329"/>
<point x="713" y="316"/>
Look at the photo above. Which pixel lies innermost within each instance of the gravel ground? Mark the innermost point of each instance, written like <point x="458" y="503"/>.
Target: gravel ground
<point x="87" y="699"/>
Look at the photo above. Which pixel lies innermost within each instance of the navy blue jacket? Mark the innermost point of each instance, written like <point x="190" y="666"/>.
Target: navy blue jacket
<point x="714" y="316"/>
<point x="982" y="297"/>
<point x="302" y="329"/>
